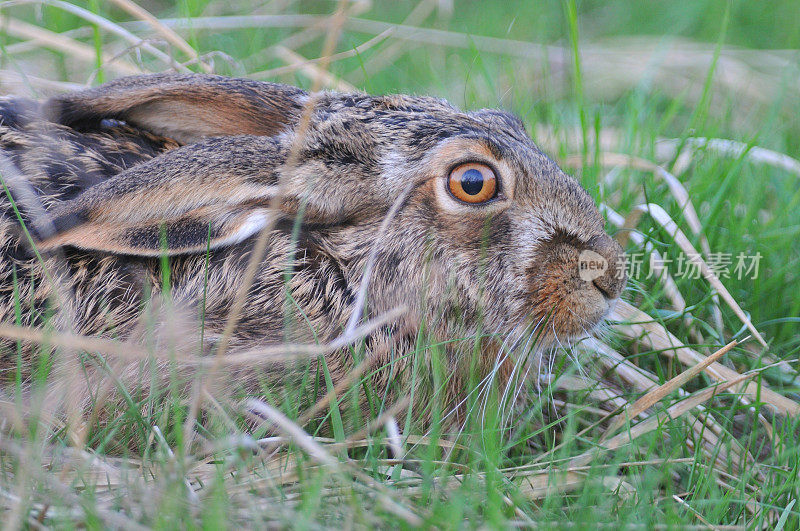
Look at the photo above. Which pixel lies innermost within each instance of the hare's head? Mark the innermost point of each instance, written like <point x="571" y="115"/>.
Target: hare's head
<point x="463" y="217"/>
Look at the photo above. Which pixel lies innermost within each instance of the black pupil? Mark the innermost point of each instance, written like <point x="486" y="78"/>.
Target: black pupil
<point x="472" y="182"/>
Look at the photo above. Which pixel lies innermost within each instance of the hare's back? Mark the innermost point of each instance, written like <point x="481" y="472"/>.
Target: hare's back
<point x="59" y="162"/>
<point x="41" y="165"/>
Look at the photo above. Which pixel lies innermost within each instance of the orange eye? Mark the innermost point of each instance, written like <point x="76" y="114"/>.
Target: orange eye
<point x="473" y="182"/>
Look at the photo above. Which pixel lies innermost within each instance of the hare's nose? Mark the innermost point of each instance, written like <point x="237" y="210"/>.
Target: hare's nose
<point x="602" y="262"/>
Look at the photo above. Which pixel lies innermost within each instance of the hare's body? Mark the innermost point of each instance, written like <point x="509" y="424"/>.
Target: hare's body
<point x="111" y="180"/>
<point x="111" y="291"/>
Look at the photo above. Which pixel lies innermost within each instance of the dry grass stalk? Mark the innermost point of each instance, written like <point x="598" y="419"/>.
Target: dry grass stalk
<point x="346" y="339"/>
<point x="652" y="423"/>
<point x="134" y="352"/>
<point x="383" y="58"/>
<point x="694" y="511"/>
<point x="637" y="325"/>
<point x="666" y="149"/>
<point x="670" y="286"/>
<point x="73" y="342"/>
<point x="11" y="80"/>
<point x="106" y="24"/>
<point x="78" y="50"/>
<point x="659" y="393"/>
<point x="661" y="216"/>
<point x="291" y="57"/>
<point x="293" y="431"/>
<point x="168" y="33"/>
<point x="34" y="470"/>
<point x="318" y="453"/>
<point x="311" y="70"/>
<point x="703" y="424"/>
<point x="610" y="139"/>
<point x="599" y="392"/>
<point x="260" y="247"/>
<point x="380" y="420"/>
<point x="543" y="484"/>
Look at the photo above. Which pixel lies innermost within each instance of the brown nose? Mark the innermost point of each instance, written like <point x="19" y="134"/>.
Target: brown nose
<point x="602" y="262"/>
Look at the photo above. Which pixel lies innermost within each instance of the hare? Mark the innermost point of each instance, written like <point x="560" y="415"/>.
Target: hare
<point x="455" y="217"/>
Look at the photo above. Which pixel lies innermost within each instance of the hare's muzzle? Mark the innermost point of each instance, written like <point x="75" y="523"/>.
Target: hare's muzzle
<point x="577" y="281"/>
<point x="602" y="263"/>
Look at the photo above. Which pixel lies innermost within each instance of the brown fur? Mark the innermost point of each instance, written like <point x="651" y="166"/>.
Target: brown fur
<point x="117" y="192"/>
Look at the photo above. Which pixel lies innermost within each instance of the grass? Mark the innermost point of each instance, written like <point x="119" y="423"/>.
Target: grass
<point x="649" y="82"/>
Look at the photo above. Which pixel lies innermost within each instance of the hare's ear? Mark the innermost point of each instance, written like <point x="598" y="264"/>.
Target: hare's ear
<point x="210" y="194"/>
<point x="186" y="107"/>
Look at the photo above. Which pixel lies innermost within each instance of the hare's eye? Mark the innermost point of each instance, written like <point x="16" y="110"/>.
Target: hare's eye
<point x="473" y="183"/>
